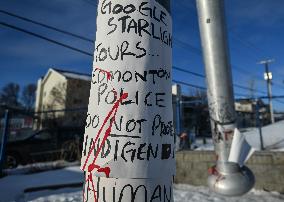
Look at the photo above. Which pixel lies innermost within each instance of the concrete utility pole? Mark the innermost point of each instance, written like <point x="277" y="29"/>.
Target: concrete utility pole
<point x="268" y="78"/>
<point x="226" y="177"/>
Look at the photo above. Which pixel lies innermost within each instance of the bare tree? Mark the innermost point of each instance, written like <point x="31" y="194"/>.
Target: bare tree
<point x="9" y="94"/>
<point x="28" y="96"/>
<point x="58" y="96"/>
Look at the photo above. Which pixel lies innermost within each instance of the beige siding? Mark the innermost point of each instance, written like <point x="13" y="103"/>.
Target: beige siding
<point x="57" y="92"/>
<point x="77" y="100"/>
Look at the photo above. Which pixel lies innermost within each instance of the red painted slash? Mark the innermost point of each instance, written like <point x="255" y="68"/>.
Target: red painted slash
<point x="111" y="116"/>
<point x="107" y="72"/>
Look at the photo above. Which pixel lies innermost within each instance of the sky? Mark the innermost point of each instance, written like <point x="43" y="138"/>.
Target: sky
<point x="255" y="32"/>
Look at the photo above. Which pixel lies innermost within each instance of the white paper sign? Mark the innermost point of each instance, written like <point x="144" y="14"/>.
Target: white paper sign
<point x="240" y="151"/>
<point x="129" y="128"/>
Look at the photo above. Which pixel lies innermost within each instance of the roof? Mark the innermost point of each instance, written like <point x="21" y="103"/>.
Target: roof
<point x="74" y="75"/>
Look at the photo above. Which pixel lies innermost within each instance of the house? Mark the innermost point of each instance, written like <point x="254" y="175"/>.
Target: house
<point x="246" y="110"/>
<point x="56" y="102"/>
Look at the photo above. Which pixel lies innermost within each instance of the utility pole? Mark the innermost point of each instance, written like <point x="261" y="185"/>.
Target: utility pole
<point x="226" y="178"/>
<point x="128" y="151"/>
<point x="268" y="78"/>
<point x="259" y="123"/>
<point x="176" y="90"/>
<point x="4" y="141"/>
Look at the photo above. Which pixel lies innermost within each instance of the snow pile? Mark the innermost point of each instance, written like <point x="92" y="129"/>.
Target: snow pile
<point x="12" y="189"/>
<point x="273" y="136"/>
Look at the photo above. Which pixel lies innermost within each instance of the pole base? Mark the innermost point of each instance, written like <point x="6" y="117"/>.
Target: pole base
<point x="229" y="179"/>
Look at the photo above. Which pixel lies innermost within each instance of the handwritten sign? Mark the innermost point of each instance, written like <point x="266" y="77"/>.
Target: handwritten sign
<point x="128" y="190"/>
<point x="129" y="128"/>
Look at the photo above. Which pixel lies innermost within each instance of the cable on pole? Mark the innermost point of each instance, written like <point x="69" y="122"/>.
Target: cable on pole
<point x="189" y="84"/>
<point x="45" y="38"/>
<point x="189" y="72"/>
<point x="203" y="76"/>
<point x="46" y="26"/>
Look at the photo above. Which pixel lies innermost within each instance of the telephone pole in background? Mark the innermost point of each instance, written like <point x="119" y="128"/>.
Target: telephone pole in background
<point x="268" y="78"/>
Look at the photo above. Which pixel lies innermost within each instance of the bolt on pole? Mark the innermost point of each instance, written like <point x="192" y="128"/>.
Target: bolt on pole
<point x="226" y="178"/>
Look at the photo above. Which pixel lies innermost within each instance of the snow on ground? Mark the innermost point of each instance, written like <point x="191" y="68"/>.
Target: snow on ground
<point x="13" y="186"/>
<point x="11" y="189"/>
<point x="273" y="138"/>
<point x="40" y="167"/>
<point x="188" y="193"/>
<point x="204" y="147"/>
<point x="272" y="135"/>
<point x="182" y="193"/>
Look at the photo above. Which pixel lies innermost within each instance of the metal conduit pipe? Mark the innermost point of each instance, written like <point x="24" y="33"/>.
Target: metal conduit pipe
<point x="226" y="178"/>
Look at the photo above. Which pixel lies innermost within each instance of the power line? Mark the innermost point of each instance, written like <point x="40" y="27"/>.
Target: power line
<point x="279" y="101"/>
<point x="247" y="88"/>
<point x="201" y="87"/>
<point x="277" y="84"/>
<point x="188" y="46"/>
<point x="273" y="97"/>
<point x="189" y="72"/>
<point x="197" y="51"/>
<point x="203" y="76"/>
<point x="46" y="26"/>
<point x="194" y="49"/>
<point x="86" y="53"/>
<point x="236" y="36"/>
<point x="189" y="84"/>
<point x="246" y="43"/>
<point x="245" y="72"/>
<point x="89" y="54"/>
<point x="45" y="38"/>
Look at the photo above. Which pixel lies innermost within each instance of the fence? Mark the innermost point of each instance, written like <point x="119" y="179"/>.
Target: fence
<point x="29" y="137"/>
<point x="192" y="116"/>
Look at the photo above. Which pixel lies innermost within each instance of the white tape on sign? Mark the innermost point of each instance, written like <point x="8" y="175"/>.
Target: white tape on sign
<point x="129" y="128"/>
